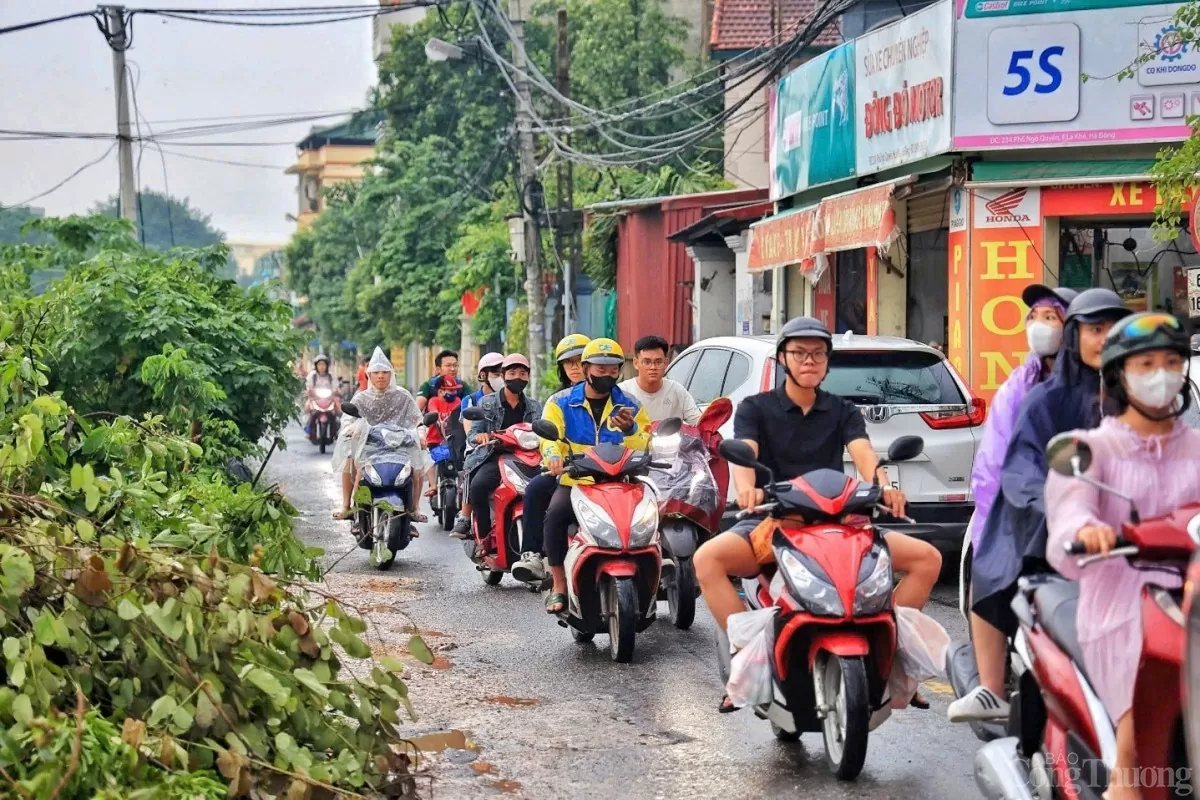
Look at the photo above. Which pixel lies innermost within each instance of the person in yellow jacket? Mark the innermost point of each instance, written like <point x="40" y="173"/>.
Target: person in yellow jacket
<point x="592" y="412"/>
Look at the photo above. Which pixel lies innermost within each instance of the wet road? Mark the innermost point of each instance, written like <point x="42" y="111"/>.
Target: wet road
<point x="514" y="708"/>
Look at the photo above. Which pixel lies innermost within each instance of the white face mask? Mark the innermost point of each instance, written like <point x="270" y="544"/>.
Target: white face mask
<point x="1156" y="390"/>
<point x="496" y="382"/>
<point x="1044" y="339"/>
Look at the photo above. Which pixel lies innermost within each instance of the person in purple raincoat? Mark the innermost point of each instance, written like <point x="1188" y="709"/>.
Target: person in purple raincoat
<point x="1044" y="331"/>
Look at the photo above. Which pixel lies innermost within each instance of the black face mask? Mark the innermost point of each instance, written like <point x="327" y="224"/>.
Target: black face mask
<point x="602" y="384"/>
<point x="516" y="385"/>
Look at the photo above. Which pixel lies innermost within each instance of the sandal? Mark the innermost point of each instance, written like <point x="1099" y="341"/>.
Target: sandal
<point x="919" y="702"/>
<point x="345" y="513"/>
<point x="726" y="706"/>
<point x="556" y="598"/>
<point x="420" y="518"/>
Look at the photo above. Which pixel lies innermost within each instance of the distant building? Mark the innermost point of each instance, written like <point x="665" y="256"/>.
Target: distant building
<point x="381" y="26"/>
<point x="246" y="255"/>
<point x="328" y="156"/>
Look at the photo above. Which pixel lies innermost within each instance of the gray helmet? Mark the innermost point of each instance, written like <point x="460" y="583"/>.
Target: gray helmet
<point x="803" y="328"/>
<point x="1097" y="305"/>
<point x="320" y="358"/>
<point x="1036" y="291"/>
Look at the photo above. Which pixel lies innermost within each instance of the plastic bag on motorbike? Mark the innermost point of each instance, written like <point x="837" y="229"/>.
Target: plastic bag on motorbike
<point x="689" y="481"/>
<point x="921" y="645"/>
<point x="750" y="670"/>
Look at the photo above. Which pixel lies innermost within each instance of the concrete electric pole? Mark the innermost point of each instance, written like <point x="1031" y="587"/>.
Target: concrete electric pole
<point x="568" y="232"/>
<point x="118" y="40"/>
<point x="535" y="289"/>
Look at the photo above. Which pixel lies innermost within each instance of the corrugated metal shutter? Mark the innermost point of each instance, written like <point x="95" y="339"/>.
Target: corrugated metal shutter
<point x="929" y="211"/>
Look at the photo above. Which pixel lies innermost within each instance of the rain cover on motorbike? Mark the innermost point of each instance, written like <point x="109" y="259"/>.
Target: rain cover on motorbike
<point x="688" y="483"/>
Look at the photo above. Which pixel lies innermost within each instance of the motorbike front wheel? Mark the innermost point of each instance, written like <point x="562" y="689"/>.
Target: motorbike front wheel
<point x="622" y="618"/>
<point x="449" y="507"/>
<point x="846" y="722"/>
<point x="681" y="595"/>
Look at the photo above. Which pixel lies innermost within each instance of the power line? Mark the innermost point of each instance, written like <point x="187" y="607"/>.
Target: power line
<point x="24" y="26"/>
<point x="69" y="178"/>
<point x="192" y="157"/>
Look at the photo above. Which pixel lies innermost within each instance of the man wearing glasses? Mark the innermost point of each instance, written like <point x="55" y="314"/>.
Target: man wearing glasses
<point x="661" y="397"/>
<point x="795" y="429"/>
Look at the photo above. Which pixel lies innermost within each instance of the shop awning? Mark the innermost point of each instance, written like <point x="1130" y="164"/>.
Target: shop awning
<point x="719" y="222"/>
<point x="847" y="221"/>
<point x="1005" y="174"/>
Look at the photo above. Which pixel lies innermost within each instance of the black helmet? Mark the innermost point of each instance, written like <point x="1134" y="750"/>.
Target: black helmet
<point x="803" y="328"/>
<point x="1036" y="291"/>
<point x="1140" y="333"/>
<point x="1097" y="305"/>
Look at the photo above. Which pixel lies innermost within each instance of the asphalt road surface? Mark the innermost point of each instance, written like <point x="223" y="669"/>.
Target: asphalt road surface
<point x="513" y="707"/>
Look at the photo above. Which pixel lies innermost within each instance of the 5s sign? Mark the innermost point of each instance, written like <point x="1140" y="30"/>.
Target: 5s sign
<point x="1033" y="74"/>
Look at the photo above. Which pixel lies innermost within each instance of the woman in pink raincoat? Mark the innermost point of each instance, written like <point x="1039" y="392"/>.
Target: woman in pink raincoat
<point x="1144" y="450"/>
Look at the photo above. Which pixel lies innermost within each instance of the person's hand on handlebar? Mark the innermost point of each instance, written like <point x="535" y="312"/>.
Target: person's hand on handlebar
<point x="555" y="465"/>
<point x="1097" y="538"/>
<point x="749" y="498"/>
<point x="895" y="501"/>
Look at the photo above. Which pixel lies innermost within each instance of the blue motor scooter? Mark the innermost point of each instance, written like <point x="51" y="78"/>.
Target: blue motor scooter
<point x="384" y="526"/>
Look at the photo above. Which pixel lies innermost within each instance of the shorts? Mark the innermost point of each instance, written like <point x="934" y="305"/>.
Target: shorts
<point x="745" y="527"/>
<point x="996" y="610"/>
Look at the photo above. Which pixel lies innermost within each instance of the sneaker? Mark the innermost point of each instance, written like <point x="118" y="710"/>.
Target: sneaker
<point x="462" y="528"/>
<point x="529" y="569"/>
<point x="978" y="705"/>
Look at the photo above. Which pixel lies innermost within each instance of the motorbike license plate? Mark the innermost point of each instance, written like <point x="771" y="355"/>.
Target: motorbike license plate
<point x="893" y="473"/>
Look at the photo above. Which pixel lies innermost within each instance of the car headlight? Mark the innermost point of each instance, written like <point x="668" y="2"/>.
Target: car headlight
<point x="809" y="584"/>
<point x="874" y="592"/>
<point x="324" y="393"/>
<point x="514" y="477"/>
<point x="645" y="522"/>
<point x="528" y="440"/>
<point x="372" y="476"/>
<point x="595" y="521"/>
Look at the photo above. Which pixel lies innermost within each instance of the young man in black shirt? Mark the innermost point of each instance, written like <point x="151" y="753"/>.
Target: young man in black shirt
<point x="795" y="429"/>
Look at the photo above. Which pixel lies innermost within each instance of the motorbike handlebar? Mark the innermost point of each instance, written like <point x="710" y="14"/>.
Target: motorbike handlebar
<point x="902" y="517"/>
<point x="1077" y="548"/>
<point x="763" y="509"/>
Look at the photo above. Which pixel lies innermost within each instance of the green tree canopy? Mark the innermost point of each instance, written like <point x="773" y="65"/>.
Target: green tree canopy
<point x="167" y="221"/>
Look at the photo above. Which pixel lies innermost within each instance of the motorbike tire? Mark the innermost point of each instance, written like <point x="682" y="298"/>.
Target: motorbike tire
<point x="323" y="447"/>
<point x="681" y="595"/>
<point x="364" y="538"/>
<point x="622" y="620"/>
<point x="846" y="726"/>
<point x="398" y="532"/>
<point x="449" y="508"/>
<point x="492" y="577"/>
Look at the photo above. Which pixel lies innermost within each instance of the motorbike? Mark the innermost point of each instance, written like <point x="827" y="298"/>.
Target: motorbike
<point x="519" y="451"/>
<point x="384" y="524"/>
<point x="691" y="501"/>
<point x="1191" y="654"/>
<point x="833" y="639"/>
<point x="324" y="417"/>
<point x="448" y="460"/>
<point x="1061" y="742"/>
<point x="614" y="560"/>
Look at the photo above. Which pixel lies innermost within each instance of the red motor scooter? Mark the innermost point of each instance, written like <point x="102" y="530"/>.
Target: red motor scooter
<point x="1061" y="741"/>
<point x="495" y="551"/>
<point x="691" y="501"/>
<point x="613" y="561"/>
<point x="834" y="636"/>
<point x="324" y="419"/>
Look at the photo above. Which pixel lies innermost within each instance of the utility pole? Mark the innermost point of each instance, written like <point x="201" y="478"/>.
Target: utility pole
<point x="535" y="290"/>
<point x="567" y="229"/>
<point x="118" y="40"/>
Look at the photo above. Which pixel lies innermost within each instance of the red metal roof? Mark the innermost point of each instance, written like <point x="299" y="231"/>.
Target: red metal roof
<point x="747" y="24"/>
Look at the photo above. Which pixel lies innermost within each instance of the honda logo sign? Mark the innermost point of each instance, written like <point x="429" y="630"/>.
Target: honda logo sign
<point x="877" y="413"/>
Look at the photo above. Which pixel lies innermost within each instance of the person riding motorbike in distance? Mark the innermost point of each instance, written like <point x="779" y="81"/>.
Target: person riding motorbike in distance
<point x="319" y="378"/>
<point x="505" y="408"/>
<point x="793" y="430"/>
<point x="593" y="412"/>
<point x="661" y="397"/>
<point x="1146" y="452"/>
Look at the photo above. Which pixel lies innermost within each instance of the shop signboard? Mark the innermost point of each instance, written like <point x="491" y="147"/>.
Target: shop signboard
<point x="1004" y="8"/>
<point x="902" y="82"/>
<point x="958" y="311"/>
<point x="1193" y="292"/>
<point x="812" y="123"/>
<point x="1053" y="79"/>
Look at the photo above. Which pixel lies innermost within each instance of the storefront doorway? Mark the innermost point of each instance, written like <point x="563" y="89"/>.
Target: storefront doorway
<point x="850" y="292"/>
<point x="927" y="288"/>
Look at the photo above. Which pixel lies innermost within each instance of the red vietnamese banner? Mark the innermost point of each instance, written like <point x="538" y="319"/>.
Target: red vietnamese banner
<point x="790" y="238"/>
<point x="859" y="219"/>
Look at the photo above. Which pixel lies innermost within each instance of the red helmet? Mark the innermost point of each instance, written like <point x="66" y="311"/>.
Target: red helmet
<point x="515" y="360"/>
<point x="449" y="384"/>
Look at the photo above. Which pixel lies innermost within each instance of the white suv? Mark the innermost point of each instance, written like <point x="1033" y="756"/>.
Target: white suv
<point x="902" y="387"/>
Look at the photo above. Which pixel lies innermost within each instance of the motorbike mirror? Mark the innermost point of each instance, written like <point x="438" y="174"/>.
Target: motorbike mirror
<point x="906" y="448"/>
<point x="738" y="452"/>
<point x="350" y="410"/>
<point x="546" y="429"/>
<point x="430" y="419"/>
<point x="1068" y="455"/>
<point x="669" y="427"/>
<point x="474" y="414"/>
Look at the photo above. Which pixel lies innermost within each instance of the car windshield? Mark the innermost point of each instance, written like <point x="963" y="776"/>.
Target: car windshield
<point x="891" y="377"/>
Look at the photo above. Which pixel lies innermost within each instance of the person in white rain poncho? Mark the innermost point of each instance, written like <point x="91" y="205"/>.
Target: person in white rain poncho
<point x="381" y="402"/>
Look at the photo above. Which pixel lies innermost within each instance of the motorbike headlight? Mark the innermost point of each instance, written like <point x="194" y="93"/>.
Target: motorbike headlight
<point x="528" y="440"/>
<point x="874" y="592"/>
<point x="666" y="448"/>
<point x="514" y="477"/>
<point x="403" y="475"/>
<point x="324" y="393"/>
<point x="371" y="475"/>
<point x="809" y="584"/>
<point x="645" y="522"/>
<point x="595" y="521"/>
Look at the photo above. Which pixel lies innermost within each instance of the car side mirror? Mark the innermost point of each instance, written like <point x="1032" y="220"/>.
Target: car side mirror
<point x="474" y="414"/>
<point x="430" y="419"/>
<point x="1068" y="455"/>
<point x="546" y="429"/>
<point x="350" y="410"/>
<point x="905" y="448"/>
<point x="669" y="427"/>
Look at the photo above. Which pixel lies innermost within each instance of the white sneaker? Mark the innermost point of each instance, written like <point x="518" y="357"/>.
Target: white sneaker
<point x="978" y="705"/>
<point x="529" y="569"/>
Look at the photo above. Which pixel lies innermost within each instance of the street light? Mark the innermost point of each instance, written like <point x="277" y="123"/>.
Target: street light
<point x="516" y="237"/>
<point x="438" y="50"/>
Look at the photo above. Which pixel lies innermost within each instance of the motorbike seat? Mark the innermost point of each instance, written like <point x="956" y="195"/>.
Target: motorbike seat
<point x="1055" y="603"/>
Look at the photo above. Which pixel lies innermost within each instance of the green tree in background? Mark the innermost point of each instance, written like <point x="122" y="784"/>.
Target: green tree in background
<point x="167" y="221"/>
<point x="11" y="221"/>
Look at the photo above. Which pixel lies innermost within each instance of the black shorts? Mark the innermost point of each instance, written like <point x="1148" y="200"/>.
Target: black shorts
<point x="745" y="527"/>
<point x="996" y="610"/>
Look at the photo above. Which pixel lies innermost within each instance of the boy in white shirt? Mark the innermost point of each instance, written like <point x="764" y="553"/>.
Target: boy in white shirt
<point x="661" y="397"/>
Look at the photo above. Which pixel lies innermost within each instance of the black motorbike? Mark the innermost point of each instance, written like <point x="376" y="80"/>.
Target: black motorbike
<point x="448" y="460"/>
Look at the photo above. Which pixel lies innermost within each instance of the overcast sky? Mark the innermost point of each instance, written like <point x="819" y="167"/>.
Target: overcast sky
<point x="59" y="78"/>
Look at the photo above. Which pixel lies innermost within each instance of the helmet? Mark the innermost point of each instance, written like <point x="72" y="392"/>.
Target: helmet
<point x="1097" y="305"/>
<point x="320" y="358"/>
<point x="449" y="383"/>
<point x="603" y="351"/>
<point x="1140" y="333"/>
<point x="570" y="347"/>
<point x="491" y="361"/>
<point x="515" y="360"/>
<point x="803" y="328"/>
<point x="1036" y="291"/>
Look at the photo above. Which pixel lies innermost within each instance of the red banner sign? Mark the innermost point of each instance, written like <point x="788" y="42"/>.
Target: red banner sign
<point x="790" y="238"/>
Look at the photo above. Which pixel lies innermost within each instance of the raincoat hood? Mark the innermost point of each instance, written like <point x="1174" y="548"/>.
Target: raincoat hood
<point x="391" y="405"/>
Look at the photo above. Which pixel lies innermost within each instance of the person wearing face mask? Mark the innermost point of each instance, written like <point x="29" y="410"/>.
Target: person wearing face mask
<point x="506" y="407"/>
<point x="1144" y="450"/>
<point x="1013" y="539"/>
<point x="593" y="412"/>
<point x="1044" y="332"/>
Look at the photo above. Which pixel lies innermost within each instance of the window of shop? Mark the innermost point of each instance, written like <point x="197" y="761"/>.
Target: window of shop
<point x="850" y="291"/>
<point x="928" y="262"/>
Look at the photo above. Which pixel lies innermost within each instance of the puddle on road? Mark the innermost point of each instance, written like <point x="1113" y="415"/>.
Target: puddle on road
<point x="441" y="662"/>
<point x="483" y="767"/>
<point x="444" y="740"/>
<point x="514" y="702"/>
<point x="505" y="785"/>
